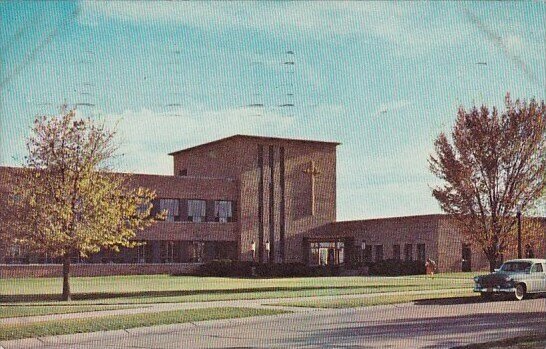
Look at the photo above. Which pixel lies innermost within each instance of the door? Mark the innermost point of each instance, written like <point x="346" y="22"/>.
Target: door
<point x="467" y="258"/>
<point x="332" y="257"/>
<point x="537" y="279"/>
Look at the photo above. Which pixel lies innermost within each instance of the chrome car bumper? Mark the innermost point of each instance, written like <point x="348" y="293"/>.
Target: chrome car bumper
<point x="495" y="289"/>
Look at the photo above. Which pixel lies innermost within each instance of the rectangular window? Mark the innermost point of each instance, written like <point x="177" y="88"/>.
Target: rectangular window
<point x="537" y="268"/>
<point x="16" y="255"/>
<point x="141" y="254"/>
<point x="378" y="253"/>
<point x="172" y="207"/>
<point x="421" y="256"/>
<point x="408" y="252"/>
<point x="167" y="251"/>
<point x="197" y="210"/>
<point x="198" y="251"/>
<point x="141" y="208"/>
<point x="396" y="252"/>
<point x="223" y="211"/>
<point x="368" y="253"/>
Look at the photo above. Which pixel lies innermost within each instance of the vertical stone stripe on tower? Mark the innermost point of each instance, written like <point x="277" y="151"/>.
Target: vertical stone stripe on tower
<point x="282" y="226"/>
<point x="272" y="204"/>
<point x="260" y="203"/>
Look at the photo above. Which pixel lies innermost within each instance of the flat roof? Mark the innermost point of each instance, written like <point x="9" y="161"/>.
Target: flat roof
<point x="423" y="216"/>
<point x="14" y="169"/>
<point x="255" y="138"/>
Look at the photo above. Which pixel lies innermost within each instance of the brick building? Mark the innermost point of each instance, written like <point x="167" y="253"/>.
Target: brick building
<point x="268" y="200"/>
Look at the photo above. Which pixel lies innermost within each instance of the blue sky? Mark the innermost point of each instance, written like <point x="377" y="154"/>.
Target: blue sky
<point x="381" y="78"/>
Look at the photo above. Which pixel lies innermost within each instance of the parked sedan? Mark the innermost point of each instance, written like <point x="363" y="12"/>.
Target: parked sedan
<point x="517" y="277"/>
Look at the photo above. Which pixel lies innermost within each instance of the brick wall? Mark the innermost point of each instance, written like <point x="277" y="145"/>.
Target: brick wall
<point x="390" y="231"/>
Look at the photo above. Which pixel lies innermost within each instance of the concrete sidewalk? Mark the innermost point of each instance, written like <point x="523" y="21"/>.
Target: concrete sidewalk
<point x="268" y="303"/>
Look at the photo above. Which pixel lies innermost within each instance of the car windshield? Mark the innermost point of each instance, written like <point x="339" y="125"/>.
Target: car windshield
<point x="516" y="266"/>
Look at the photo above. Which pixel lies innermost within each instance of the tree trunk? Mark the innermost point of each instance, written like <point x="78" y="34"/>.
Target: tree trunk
<point x="492" y="265"/>
<point x="493" y="262"/>
<point x="66" y="277"/>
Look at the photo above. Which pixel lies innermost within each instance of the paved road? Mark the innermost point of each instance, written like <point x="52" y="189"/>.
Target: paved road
<point x="426" y="324"/>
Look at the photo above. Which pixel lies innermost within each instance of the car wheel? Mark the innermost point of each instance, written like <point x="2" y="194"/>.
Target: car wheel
<point x="486" y="296"/>
<point x="520" y="292"/>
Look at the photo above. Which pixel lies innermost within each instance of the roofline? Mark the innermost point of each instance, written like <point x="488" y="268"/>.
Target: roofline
<point x="534" y="260"/>
<point x="432" y="215"/>
<point x="254" y="137"/>
<point x="226" y="179"/>
<point x="133" y="174"/>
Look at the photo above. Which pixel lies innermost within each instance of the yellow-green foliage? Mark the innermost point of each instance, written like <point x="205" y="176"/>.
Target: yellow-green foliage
<point x="68" y="201"/>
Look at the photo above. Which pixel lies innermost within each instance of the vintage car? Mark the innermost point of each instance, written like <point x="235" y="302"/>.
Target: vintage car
<point x="518" y="278"/>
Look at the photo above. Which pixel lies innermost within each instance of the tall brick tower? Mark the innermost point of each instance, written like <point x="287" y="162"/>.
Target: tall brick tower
<point x="286" y="188"/>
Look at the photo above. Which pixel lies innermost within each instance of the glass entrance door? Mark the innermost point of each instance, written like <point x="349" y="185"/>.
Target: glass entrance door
<point x="326" y="253"/>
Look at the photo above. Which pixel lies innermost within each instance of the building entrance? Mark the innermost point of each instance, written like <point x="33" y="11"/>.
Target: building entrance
<point x="326" y="252"/>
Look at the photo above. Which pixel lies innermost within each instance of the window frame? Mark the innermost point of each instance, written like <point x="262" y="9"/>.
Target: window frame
<point x="379" y="252"/>
<point x="536" y="266"/>
<point x="191" y="218"/>
<point x="176" y="217"/>
<point x="421" y="254"/>
<point x="229" y="217"/>
<point x="396" y="252"/>
<point x="408" y="248"/>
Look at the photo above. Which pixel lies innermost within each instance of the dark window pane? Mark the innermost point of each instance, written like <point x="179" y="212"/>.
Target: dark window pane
<point x="378" y="253"/>
<point x="196" y="210"/>
<point x="223" y="211"/>
<point x="172" y="208"/>
<point x="421" y="253"/>
<point x="408" y="252"/>
<point x="396" y="252"/>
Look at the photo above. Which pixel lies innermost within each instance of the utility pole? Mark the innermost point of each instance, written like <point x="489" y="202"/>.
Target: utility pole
<point x="519" y="233"/>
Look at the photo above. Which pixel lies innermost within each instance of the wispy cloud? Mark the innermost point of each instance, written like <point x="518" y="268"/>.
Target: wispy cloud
<point x="393" y="22"/>
<point x="147" y="136"/>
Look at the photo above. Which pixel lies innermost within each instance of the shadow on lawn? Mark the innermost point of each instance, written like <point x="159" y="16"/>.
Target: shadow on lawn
<point x="156" y="294"/>
<point x="450" y="301"/>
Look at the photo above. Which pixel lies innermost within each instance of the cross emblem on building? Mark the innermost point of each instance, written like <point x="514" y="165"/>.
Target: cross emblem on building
<point x="312" y="171"/>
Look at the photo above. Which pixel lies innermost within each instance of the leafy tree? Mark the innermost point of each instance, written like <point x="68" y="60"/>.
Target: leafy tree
<point x="493" y="165"/>
<point x="67" y="203"/>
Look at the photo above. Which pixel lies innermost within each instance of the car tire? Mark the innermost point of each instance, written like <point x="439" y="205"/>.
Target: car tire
<point x="520" y="292"/>
<point x="486" y="296"/>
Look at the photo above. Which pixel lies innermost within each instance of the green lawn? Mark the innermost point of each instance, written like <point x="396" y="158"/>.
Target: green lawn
<point x="40" y="296"/>
<point x="379" y="300"/>
<point x="163" y="288"/>
<point x="107" y="323"/>
<point x="7" y="311"/>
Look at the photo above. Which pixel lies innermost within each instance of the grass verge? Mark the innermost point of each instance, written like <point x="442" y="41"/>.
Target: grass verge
<point x="237" y="294"/>
<point x="379" y="300"/>
<point x="119" y="322"/>
<point x="7" y="311"/>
